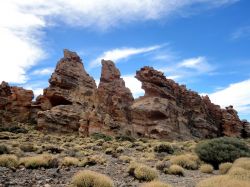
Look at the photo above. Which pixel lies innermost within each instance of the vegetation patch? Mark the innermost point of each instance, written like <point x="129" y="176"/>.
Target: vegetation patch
<point x="206" y="168"/>
<point x="174" y="170"/>
<point x="89" y="178"/>
<point x="186" y="161"/>
<point x="8" y="161"/>
<point x="155" y="184"/>
<point x="221" y="150"/>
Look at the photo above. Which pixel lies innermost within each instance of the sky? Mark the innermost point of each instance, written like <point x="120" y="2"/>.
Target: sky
<point x="204" y="44"/>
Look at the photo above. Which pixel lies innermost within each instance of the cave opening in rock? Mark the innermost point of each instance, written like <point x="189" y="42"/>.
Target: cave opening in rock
<point x="59" y="100"/>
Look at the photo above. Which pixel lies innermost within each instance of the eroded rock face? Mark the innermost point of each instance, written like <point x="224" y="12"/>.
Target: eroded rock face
<point x="169" y="110"/>
<point x="15" y="104"/>
<point x="70" y="93"/>
<point x="113" y="100"/>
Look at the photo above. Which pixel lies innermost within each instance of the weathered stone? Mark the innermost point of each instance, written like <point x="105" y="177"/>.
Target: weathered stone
<point x="168" y="110"/>
<point x="69" y="95"/>
<point x="15" y="104"/>
<point x="113" y="100"/>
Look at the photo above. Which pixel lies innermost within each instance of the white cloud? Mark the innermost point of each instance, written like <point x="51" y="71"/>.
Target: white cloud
<point x="134" y="85"/>
<point x="199" y="64"/>
<point x="45" y="71"/>
<point x="190" y="67"/>
<point x="123" y="53"/>
<point x="243" y="32"/>
<point x="22" y="24"/>
<point x="236" y="94"/>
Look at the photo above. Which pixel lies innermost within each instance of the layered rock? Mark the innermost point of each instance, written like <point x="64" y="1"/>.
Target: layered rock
<point x="69" y="94"/>
<point x="113" y="101"/>
<point x="169" y="110"/>
<point x="15" y="104"/>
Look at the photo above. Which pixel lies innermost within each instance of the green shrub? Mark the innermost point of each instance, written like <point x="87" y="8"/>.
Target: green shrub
<point x="164" y="147"/>
<point x="89" y="178"/>
<point x="98" y="136"/>
<point x="221" y="150"/>
<point x="4" y="149"/>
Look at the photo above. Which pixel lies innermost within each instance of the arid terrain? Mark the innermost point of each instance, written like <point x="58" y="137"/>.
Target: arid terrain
<point x="106" y="155"/>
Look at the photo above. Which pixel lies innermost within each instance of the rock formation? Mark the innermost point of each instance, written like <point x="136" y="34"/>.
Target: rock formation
<point x="15" y="104"/>
<point x="70" y="94"/>
<point x="169" y="110"/>
<point x="114" y="100"/>
<point x="72" y="102"/>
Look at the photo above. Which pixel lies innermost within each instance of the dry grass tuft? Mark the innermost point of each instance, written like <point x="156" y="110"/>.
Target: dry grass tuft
<point x="8" y="161"/>
<point x="187" y="161"/>
<point x="239" y="173"/>
<point x="206" y="168"/>
<point x="243" y="162"/>
<point x="155" y="184"/>
<point x="221" y="181"/>
<point x="174" y="170"/>
<point x="70" y="161"/>
<point x="224" y="167"/>
<point x="142" y="172"/>
<point x="89" y="178"/>
<point x="34" y="162"/>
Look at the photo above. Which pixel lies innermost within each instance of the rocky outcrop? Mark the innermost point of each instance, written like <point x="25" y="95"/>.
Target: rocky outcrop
<point x="72" y="102"/>
<point x="113" y="100"/>
<point x="69" y="95"/>
<point x="15" y="104"/>
<point x="169" y="110"/>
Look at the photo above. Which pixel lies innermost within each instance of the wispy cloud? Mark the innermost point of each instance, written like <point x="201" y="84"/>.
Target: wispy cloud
<point x="121" y="53"/>
<point x="22" y="24"/>
<point x="190" y="67"/>
<point x="236" y="94"/>
<point x="242" y="32"/>
<point x="41" y="72"/>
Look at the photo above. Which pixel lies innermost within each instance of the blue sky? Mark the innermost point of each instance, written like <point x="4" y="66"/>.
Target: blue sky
<point x="201" y="43"/>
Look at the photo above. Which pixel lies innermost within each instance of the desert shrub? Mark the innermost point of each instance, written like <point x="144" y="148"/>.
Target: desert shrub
<point x="120" y="149"/>
<point x="224" y="167"/>
<point x="14" y="129"/>
<point x="8" y="161"/>
<point x="206" y="168"/>
<point x="4" y="149"/>
<point x="186" y="161"/>
<point x="52" y="149"/>
<point x="98" y="136"/>
<point x="70" y="161"/>
<point x="221" y="181"/>
<point x="92" y="160"/>
<point x="164" y="147"/>
<point x="125" y="158"/>
<point x="221" y="150"/>
<point x="125" y="138"/>
<point x="109" y="151"/>
<point x="89" y="178"/>
<point x="174" y="170"/>
<point x="155" y="184"/>
<point x="161" y="165"/>
<point x="239" y="173"/>
<point x="34" y="162"/>
<point x="142" y="172"/>
<point x="28" y="148"/>
<point x="242" y="163"/>
<point x="145" y="173"/>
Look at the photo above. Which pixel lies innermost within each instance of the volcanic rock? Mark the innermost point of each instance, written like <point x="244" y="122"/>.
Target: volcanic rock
<point x="113" y="101"/>
<point x="168" y="110"/>
<point x="15" y="104"/>
<point x="69" y="95"/>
